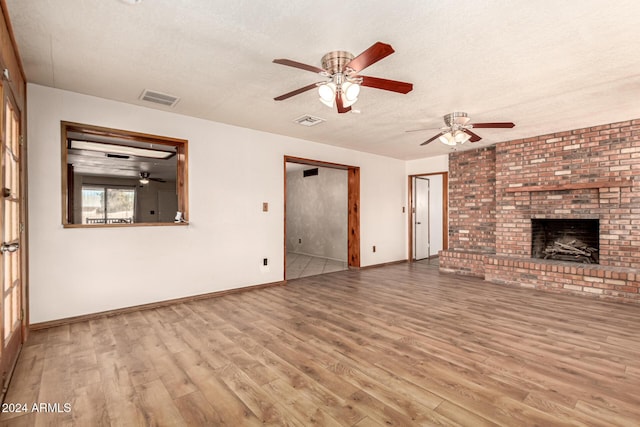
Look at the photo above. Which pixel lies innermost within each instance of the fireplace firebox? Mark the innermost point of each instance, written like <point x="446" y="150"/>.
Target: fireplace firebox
<point x="575" y="240"/>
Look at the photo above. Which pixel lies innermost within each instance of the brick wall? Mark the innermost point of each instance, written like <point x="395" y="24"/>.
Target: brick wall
<point x="584" y="173"/>
<point x="472" y="211"/>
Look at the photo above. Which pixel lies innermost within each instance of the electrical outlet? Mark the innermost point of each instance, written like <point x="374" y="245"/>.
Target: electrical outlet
<point x="265" y="261"/>
<point x="374" y="248"/>
<point x="265" y="207"/>
<point x="299" y="240"/>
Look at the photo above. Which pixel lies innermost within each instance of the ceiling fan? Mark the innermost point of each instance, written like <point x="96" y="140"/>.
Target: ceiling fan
<point x="457" y="129"/>
<point x="145" y="177"/>
<point x="342" y="69"/>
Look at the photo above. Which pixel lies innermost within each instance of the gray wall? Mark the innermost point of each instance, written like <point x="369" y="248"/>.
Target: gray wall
<point x="317" y="213"/>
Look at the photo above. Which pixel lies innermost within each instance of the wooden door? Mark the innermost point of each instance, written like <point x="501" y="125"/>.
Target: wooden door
<point x="11" y="227"/>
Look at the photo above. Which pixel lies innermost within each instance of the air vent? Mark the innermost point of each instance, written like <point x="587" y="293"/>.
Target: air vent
<point x="159" y="98"/>
<point x="309" y="172"/>
<point x="308" y="120"/>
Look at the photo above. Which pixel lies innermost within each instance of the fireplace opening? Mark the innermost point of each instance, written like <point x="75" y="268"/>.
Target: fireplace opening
<point x="575" y="240"/>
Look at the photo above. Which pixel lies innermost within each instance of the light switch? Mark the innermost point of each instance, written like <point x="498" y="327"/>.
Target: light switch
<point x="265" y="207"/>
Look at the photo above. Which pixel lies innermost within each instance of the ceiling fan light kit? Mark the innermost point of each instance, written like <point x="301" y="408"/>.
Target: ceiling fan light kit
<point x="454" y="138"/>
<point x="343" y="86"/>
<point x="144" y="177"/>
<point x="348" y="92"/>
<point x="333" y="63"/>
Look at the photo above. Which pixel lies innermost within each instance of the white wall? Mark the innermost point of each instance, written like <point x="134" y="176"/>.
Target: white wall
<point x="428" y="165"/>
<point x="88" y="270"/>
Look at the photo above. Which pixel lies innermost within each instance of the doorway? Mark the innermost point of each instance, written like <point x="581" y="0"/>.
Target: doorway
<point x="349" y="216"/>
<point x="11" y="214"/>
<point x="428" y="208"/>
<point x="421" y="214"/>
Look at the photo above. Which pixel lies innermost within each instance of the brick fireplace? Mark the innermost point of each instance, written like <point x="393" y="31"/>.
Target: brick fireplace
<point x="499" y="195"/>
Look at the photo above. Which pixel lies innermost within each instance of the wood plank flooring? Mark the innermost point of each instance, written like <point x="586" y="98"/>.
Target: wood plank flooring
<point x="399" y="345"/>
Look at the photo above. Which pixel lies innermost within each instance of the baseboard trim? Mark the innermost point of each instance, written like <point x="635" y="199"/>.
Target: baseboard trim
<point x="384" y="264"/>
<point x="85" y="317"/>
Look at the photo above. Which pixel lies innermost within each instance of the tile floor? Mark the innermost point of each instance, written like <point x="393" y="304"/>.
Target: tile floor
<point x="299" y="265"/>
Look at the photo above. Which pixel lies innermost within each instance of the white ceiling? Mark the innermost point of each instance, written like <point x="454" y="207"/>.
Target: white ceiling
<point x="545" y="65"/>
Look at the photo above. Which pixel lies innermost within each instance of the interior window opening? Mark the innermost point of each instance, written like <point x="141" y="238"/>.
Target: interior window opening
<point x="118" y="178"/>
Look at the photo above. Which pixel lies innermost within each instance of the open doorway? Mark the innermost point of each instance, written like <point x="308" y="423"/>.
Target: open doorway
<point x="428" y="219"/>
<point x="322" y="219"/>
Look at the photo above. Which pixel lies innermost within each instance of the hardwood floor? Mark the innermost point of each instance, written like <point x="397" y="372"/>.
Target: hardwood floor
<point x="399" y="345"/>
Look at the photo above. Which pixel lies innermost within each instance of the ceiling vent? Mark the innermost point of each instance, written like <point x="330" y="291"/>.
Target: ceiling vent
<point x="308" y="120"/>
<point x="159" y="98"/>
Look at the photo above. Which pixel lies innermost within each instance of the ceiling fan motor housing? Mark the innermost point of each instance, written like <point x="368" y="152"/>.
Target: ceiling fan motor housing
<point x="458" y="118"/>
<point x="335" y="61"/>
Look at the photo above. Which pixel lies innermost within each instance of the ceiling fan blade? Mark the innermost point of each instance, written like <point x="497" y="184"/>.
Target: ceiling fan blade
<point x="300" y="65"/>
<point x="493" y="125"/>
<point x="385" y="84"/>
<point x="340" y="104"/>
<point x="373" y="54"/>
<point x="474" y="136"/>
<point x="295" y="92"/>
<point x="433" y="138"/>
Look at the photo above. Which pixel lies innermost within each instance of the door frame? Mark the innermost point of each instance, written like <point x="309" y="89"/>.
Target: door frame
<point x="14" y="345"/>
<point x="445" y="209"/>
<point x="414" y="195"/>
<point x="14" y="87"/>
<point x="353" y="203"/>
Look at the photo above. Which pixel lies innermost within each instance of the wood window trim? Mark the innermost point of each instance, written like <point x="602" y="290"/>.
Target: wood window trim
<point x="181" y="172"/>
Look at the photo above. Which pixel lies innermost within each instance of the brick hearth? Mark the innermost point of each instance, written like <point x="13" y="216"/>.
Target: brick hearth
<point x="588" y="173"/>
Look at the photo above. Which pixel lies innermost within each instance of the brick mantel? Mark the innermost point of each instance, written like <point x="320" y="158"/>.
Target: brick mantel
<point x="626" y="182"/>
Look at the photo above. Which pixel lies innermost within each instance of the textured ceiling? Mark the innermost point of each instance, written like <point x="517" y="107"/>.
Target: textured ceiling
<point x="545" y="65"/>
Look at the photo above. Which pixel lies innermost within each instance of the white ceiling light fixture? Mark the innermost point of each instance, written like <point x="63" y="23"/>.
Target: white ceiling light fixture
<point x="120" y="149"/>
<point x="351" y="92"/>
<point x="327" y="92"/>
<point x="144" y="177"/>
<point x="454" y="138"/>
<point x="349" y="89"/>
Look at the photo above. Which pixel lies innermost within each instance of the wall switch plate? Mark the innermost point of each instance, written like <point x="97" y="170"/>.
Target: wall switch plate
<point x="265" y="261"/>
<point x="374" y="248"/>
<point x="265" y="207"/>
